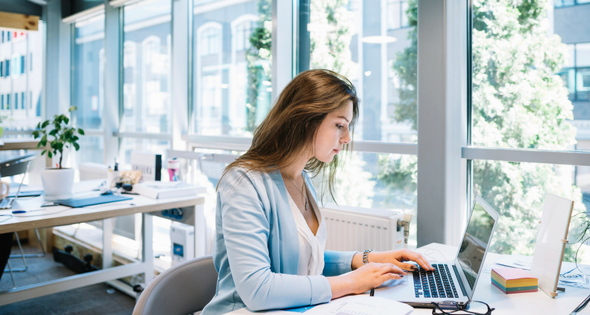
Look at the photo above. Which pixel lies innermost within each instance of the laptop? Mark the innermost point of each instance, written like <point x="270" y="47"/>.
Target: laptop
<point x="454" y="281"/>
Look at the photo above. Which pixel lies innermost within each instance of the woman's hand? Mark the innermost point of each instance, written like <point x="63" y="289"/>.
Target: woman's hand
<point x="365" y="278"/>
<point x="396" y="257"/>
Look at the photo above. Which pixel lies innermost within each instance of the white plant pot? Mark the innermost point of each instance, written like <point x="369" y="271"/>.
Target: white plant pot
<point x="57" y="183"/>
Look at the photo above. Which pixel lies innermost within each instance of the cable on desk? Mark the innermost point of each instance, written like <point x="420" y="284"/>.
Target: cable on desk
<point x="6" y="215"/>
<point x="576" y="259"/>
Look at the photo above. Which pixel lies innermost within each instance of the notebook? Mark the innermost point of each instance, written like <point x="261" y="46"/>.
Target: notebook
<point x="453" y="281"/>
<point x="84" y="202"/>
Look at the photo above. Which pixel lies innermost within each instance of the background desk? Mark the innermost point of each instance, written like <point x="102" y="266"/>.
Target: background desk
<point x="524" y="303"/>
<point x="55" y="216"/>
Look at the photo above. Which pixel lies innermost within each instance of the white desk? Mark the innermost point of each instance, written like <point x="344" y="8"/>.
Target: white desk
<point x="55" y="216"/>
<point x="524" y="303"/>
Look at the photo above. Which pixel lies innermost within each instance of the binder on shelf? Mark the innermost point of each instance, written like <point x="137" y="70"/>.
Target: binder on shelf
<point x="149" y="164"/>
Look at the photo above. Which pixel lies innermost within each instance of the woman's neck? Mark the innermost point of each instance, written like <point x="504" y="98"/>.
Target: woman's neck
<point x="294" y="170"/>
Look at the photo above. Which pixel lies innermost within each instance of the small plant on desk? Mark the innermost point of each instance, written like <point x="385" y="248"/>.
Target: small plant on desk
<point x="57" y="182"/>
<point x="63" y="135"/>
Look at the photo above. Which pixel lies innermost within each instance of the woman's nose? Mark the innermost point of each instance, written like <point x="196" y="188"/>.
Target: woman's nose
<point x="346" y="138"/>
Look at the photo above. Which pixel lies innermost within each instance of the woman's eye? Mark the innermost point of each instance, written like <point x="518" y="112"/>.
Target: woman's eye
<point x="339" y="126"/>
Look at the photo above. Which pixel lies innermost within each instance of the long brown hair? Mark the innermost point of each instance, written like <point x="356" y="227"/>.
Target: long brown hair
<point x="291" y="125"/>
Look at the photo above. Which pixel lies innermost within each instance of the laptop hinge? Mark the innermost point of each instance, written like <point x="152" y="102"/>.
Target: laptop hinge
<point x="459" y="280"/>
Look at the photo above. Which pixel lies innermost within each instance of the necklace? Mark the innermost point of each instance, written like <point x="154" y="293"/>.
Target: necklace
<point x="304" y="197"/>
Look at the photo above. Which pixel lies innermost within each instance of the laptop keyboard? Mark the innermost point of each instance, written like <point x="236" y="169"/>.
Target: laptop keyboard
<point x="434" y="284"/>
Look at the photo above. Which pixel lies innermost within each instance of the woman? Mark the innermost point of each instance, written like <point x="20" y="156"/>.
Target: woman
<point x="270" y="234"/>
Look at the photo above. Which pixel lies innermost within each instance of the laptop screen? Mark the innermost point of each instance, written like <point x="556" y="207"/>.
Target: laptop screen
<point x="475" y="243"/>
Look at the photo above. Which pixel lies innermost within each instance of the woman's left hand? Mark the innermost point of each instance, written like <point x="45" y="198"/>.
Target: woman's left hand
<point x="398" y="257"/>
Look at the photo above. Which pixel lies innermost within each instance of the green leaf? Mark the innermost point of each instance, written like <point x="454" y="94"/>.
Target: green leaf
<point x="53" y="132"/>
<point x="36" y="134"/>
<point x="80" y="131"/>
<point x="72" y="108"/>
<point x="67" y="120"/>
<point x="43" y="152"/>
<point x="49" y="154"/>
<point x="45" y="124"/>
<point x="77" y="146"/>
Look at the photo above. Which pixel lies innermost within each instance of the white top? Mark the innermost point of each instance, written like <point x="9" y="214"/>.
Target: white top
<point x="311" y="247"/>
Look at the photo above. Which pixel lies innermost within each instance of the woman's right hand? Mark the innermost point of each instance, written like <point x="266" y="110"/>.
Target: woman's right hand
<point x="363" y="279"/>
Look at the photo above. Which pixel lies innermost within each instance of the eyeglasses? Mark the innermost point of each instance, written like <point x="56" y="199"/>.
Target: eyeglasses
<point x="453" y="308"/>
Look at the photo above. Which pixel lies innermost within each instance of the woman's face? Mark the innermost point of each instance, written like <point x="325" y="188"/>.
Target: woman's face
<point x="333" y="133"/>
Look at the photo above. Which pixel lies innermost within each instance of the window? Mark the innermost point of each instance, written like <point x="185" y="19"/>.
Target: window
<point x="22" y="100"/>
<point x="31" y="62"/>
<point x="521" y="105"/>
<point x="146" y="67"/>
<point x="22" y="64"/>
<point x="380" y="60"/>
<point x="2" y="100"/>
<point x="1" y="69"/>
<point x="231" y="67"/>
<point x="575" y="72"/>
<point x="87" y="72"/>
<point x="7" y="73"/>
<point x="242" y="29"/>
<point x="565" y="3"/>
<point x="396" y="12"/>
<point x="15" y="101"/>
<point x="7" y="101"/>
<point x="15" y="66"/>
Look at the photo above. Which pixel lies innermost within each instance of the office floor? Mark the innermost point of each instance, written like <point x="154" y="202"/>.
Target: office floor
<point x="88" y="300"/>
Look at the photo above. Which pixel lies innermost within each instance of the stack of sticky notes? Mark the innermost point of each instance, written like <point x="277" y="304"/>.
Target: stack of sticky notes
<point x="514" y="280"/>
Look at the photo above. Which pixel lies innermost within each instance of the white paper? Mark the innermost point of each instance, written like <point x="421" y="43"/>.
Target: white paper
<point x="516" y="261"/>
<point x="354" y="305"/>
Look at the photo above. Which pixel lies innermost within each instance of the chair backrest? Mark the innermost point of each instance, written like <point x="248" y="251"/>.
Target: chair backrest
<point x="183" y="289"/>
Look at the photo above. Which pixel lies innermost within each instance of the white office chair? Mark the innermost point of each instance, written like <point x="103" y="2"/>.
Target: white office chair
<point x="183" y="289"/>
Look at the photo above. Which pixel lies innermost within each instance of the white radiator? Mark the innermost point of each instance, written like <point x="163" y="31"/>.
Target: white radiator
<point x="357" y="229"/>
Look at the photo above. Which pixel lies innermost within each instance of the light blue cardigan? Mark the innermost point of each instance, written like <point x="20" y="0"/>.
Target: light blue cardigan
<point x="257" y="248"/>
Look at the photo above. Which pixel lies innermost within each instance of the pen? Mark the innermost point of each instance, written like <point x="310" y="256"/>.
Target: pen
<point x="372" y="292"/>
<point x="581" y="306"/>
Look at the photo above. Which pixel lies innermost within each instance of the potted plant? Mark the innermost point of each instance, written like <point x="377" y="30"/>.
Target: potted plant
<point x="58" y="181"/>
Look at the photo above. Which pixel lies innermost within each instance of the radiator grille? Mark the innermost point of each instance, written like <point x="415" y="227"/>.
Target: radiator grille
<point x="357" y="229"/>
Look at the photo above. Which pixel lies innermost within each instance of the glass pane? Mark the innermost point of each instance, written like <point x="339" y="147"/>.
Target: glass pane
<point x="88" y="72"/>
<point x="232" y="66"/>
<point x="372" y="180"/>
<point x="517" y="191"/>
<point x="146" y="67"/>
<point x="569" y="81"/>
<point x="518" y="100"/>
<point x="91" y="150"/>
<point x="583" y="55"/>
<point x="348" y="37"/>
<point x="142" y="145"/>
<point x="21" y="69"/>
<point x="583" y="84"/>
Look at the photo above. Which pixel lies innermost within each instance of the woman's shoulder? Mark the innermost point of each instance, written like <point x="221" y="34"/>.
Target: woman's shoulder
<point x="238" y="176"/>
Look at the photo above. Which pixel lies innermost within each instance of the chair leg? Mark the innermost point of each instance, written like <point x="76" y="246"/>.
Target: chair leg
<point x="33" y="255"/>
<point x="11" y="275"/>
<point x="22" y="255"/>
